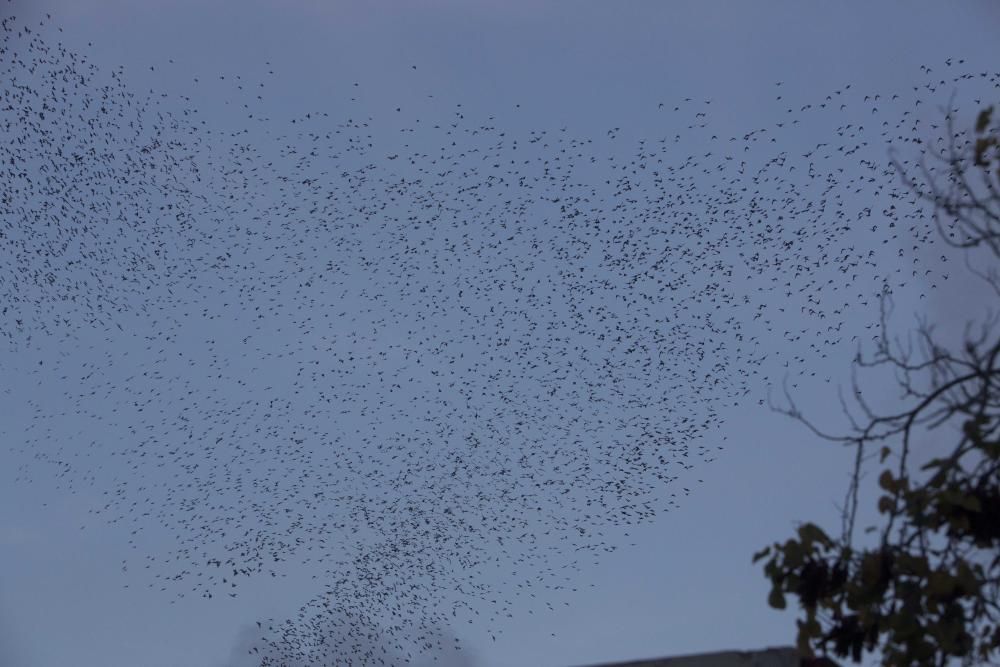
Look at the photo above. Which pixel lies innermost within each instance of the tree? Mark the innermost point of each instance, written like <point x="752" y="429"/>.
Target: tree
<point x="929" y="591"/>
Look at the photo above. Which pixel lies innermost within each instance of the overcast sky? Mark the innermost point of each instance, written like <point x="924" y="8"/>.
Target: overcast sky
<point x="681" y="583"/>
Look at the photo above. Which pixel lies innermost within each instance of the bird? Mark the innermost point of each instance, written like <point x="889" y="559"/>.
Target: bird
<point x="403" y="353"/>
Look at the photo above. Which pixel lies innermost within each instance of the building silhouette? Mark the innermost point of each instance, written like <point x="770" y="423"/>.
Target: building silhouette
<point x="783" y="656"/>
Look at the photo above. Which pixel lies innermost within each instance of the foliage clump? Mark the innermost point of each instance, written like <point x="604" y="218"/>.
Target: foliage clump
<point x="929" y="591"/>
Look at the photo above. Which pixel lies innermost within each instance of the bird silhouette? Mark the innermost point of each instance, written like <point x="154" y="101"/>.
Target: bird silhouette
<point x="405" y="353"/>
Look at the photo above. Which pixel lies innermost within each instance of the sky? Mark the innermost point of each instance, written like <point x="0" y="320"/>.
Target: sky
<point x="78" y="588"/>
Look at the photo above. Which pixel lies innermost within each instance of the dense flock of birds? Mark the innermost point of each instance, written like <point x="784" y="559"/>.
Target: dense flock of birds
<point x="405" y="360"/>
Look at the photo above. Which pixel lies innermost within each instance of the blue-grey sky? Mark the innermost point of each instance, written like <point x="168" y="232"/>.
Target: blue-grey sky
<point x="78" y="585"/>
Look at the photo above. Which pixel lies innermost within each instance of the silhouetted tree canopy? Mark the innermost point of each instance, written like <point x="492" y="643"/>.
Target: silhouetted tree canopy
<point x="928" y="592"/>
